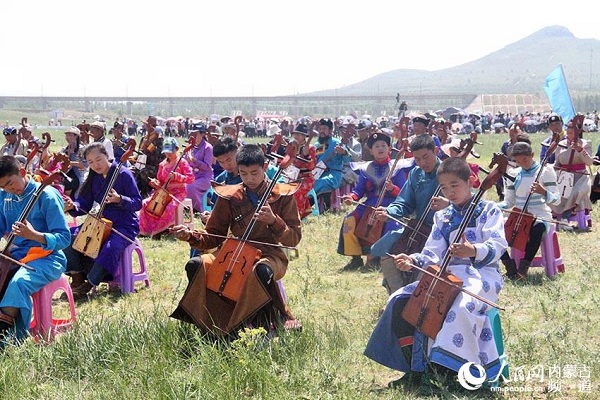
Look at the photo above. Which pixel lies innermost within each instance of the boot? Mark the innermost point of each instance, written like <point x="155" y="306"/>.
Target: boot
<point x="355" y="263"/>
<point x="6" y="322"/>
<point x="77" y="280"/>
<point x="511" y="269"/>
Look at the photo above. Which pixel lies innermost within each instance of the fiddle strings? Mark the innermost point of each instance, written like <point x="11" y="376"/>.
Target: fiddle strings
<point x="421" y="221"/>
<point x="404" y="224"/>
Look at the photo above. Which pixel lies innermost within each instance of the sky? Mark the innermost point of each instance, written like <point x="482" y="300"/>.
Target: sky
<point x="254" y="48"/>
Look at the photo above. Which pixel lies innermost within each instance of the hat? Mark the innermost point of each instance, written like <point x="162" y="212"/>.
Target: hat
<point x="170" y="145"/>
<point x="97" y="124"/>
<point x="197" y="127"/>
<point x="10" y="130"/>
<point x="376" y="136"/>
<point x="364" y="124"/>
<point x="214" y="118"/>
<point x="454" y="143"/>
<point x="422" y="119"/>
<point x="301" y="128"/>
<point x="273" y="130"/>
<point x="327" y="122"/>
<point x="74" y="130"/>
<point x="554" y="118"/>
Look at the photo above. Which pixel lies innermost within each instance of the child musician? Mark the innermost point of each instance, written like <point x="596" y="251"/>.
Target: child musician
<point x="178" y="174"/>
<point x="260" y="301"/>
<point x="122" y="203"/>
<point x="39" y="241"/>
<point x="466" y="333"/>
<point x="372" y="180"/>
<point x="543" y="192"/>
<point x="305" y="163"/>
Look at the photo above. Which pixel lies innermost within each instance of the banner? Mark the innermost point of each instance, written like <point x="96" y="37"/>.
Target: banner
<point x="557" y="91"/>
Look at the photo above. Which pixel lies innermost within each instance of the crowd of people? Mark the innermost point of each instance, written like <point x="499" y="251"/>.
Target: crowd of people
<point x="415" y="203"/>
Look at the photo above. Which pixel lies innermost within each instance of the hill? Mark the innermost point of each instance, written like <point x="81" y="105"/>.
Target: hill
<point x="520" y="67"/>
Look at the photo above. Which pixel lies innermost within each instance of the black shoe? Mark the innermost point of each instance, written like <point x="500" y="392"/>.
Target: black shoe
<point x="409" y="380"/>
<point x="511" y="269"/>
<point x="523" y="268"/>
<point x="354" y="264"/>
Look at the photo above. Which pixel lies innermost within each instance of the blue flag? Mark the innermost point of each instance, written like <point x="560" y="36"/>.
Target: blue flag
<point x="557" y="91"/>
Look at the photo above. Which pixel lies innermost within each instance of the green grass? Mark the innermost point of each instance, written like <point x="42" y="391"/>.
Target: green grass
<point x="128" y="347"/>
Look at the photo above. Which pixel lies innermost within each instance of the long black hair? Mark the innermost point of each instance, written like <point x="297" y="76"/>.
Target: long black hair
<point x="87" y="184"/>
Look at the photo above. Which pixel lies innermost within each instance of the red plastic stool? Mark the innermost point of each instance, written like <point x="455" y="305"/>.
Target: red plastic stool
<point x="125" y="278"/>
<point x="550" y="258"/>
<point x="44" y="325"/>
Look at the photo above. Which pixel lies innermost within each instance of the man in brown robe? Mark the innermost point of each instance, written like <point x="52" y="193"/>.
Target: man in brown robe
<point x="251" y="294"/>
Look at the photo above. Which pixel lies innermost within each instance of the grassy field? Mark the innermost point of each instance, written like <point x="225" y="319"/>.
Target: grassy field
<point x="128" y="347"/>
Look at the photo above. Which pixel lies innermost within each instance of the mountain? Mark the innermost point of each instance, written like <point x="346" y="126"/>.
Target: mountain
<point x="520" y="67"/>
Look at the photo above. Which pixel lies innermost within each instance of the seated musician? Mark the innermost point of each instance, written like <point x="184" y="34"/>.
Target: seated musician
<point x="178" y="175"/>
<point x="555" y="125"/>
<point x="120" y="207"/>
<point x="146" y="164"/>
<point x="331" y="156"/>
<point x="573" y="155"/>
<point x="305" y="163"/>
<point x="260" y="302"/>
<point x="200" y="159"/>
<point x="466" y="334"/>
<point x="544" y="192"/>
<point x="415" y="199"/>
<point x="13" y="146"/>
<point x="38" y="243"/>
<point x="373" y="178"/>
<point x="78" y="167"/>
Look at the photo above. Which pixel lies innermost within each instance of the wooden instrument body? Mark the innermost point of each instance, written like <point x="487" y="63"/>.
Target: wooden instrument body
<point x="428" y="314"/>
<point x="92" y="234"/>
<point x="158" y="203"/>
<point x="7" y="271"/>
<point x="234" y="263"/>
<point x="412" y="240"/>
<point x="564" y="182"/>
<point x="369" y="229"/>
<point x="517" y="228"/>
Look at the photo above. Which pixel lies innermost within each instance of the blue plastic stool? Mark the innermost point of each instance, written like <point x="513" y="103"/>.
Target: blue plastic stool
<point x="315" y="208"/>
<point x="494" y="317"/>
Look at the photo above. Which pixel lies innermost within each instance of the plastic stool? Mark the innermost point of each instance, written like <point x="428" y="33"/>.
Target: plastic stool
<point x="43" y="325"/>
<point x="315" y="208"/>
<point x="125" y="278"/>
<point x="185" y="213"/>
<point x="207" y="195"/>
<point x="336" y="200"/>
<point x="550" y="258"/>
<point x="494" y="317"/>
<point x="583" y="219"/>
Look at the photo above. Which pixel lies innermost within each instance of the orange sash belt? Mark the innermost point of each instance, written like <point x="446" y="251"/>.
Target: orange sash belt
<point x="34" y="253"/>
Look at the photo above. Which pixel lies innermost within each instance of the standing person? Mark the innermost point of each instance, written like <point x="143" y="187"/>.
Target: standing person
<point x="8" y="148"/>
<point x="121" y="205"/>
<point x="372" y="180"/>
<point x="415" y="199"/>
<point x="97" y="132"/>
<point x="260" y="301"/>
<point x="200" y="159"/>
<point x="305" y="163"/>
<point x="39" y="241"/>
<point x="330" y="159"/>
<point x="178" y="173"/>
<point x="540" y="193"/>
<point x="466" y="333"/>
<point x="573" y="155"/>
<point x="78" y="167"/>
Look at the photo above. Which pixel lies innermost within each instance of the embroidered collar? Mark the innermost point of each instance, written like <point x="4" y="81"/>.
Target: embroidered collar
<point x="29" y="189"/>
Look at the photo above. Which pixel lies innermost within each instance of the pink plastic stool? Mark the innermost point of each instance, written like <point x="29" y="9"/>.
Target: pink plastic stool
<point x="550" y="258"/>
<point x="43" y="325"/>
<point x="336" y="200"/>
<point x="125" y="277"/>
<point x="583" y="219"/>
